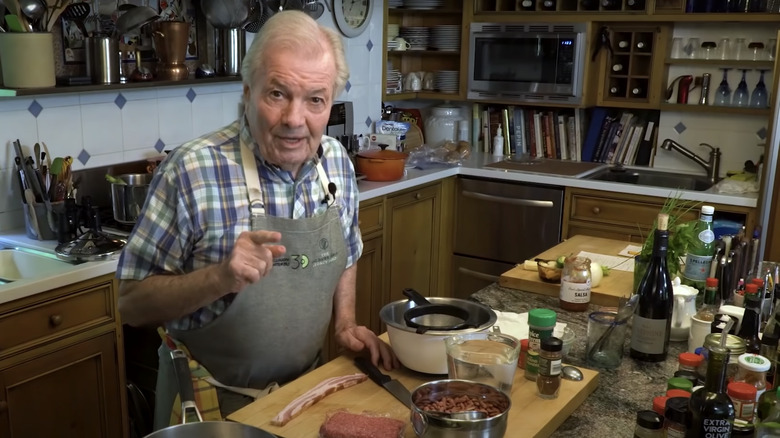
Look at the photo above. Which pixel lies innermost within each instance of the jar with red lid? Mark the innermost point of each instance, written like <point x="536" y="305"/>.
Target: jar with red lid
<point x="689" y="361"/>
<point x="523" y="352"/>
<point x="659" y="404"/>
<point x="743" y="395"/>
<point x="752" y="370"/>
<point x="678" y="393"/>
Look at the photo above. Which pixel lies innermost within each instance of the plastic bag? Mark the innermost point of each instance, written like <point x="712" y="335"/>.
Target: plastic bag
<point x="450" y="154"/>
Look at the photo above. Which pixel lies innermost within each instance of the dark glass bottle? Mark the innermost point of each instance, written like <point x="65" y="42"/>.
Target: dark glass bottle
<point x="653" y="313"/>
<point x="548" y="5"/>
<point x="528" y="5"/>
<point x="750" y="323"/>
<point x="635" y="5"/>
<point x="611" y="5"/>
<point x="710" y="410"/>
<point x="589" y="5"/>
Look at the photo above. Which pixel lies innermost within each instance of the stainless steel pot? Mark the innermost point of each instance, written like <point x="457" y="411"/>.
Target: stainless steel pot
<point x="128" y="199"/>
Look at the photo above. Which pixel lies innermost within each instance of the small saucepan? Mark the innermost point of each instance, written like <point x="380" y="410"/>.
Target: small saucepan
<point x="128" y="194"/>
<point x="381" y="165"/>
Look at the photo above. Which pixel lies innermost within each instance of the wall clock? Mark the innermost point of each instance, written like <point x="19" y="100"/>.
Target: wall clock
<point x="353" y="16"/>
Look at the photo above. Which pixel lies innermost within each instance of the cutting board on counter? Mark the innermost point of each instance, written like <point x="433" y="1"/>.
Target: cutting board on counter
<point x="613" y="286"/>
<point x="530" y="416"/>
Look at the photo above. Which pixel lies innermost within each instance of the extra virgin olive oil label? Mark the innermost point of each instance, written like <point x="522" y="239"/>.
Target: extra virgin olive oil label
<point x="648" y="335"/>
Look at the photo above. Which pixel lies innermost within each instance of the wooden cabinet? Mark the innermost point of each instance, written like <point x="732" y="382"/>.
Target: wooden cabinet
<point x="628" y="217"/>
<point x="61" y="364"/>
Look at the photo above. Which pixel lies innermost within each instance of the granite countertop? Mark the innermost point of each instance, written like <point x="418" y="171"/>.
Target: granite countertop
<point x="610" y="411"/>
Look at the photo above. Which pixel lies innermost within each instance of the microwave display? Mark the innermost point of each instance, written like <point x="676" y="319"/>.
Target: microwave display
<point x="531" y="63"/>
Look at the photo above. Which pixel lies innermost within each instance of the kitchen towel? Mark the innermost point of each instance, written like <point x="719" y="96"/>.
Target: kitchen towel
<point x="516" y="324"/>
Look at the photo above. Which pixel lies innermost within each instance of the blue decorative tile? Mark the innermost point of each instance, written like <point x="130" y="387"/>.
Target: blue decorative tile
<point x="368" y="122"/>
<point x="191" y="95"/>
<point x="347" y="86"/>
<point x="680" y="127"/>
<point x="83" y="157"/>
<point x="159" y="146"/>
<point x="761" y="133"/>
<point x="35" y="108"/>
<point x="120" y="101"/>
<point x="369" y="45"/>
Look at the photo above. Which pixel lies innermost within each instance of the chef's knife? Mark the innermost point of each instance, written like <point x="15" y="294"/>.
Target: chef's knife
<point x="391" y="385"/>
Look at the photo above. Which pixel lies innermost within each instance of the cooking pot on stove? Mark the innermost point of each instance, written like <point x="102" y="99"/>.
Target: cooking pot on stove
<point x="441" y="317"/>
<point x="127" y="197"/>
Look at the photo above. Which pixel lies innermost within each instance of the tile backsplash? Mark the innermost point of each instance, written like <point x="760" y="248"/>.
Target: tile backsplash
<point x="104" y="128"/>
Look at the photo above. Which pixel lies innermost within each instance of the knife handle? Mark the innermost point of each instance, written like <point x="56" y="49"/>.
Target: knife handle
<point x="373" y="372"/>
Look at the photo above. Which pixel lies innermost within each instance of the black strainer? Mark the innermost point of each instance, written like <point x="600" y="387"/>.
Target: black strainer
<point x="427" y="316"/>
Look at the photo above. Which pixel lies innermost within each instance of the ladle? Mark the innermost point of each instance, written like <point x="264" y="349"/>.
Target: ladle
<point x="34" y="10"/>
<point x="625" y="310"/>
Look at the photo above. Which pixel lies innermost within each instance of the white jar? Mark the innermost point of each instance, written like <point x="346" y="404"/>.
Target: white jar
<point x="442" y="125"/>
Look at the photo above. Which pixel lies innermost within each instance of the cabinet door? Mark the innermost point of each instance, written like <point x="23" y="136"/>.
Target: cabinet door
<point x="412" y="229"/>
<point x="66" y="392"/>
<point x="369" y="285"/>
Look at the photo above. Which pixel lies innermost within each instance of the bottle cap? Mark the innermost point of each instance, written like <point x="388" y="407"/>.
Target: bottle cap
<point x="676" y="409"/>
<point x="659" y="404"/>
<point x="679" y="383"/>
<point x="751" y="288"/>
<point x="678" y="393"/>
<point x="711" y="282"/>
<point x="741" y="390"/>
<point x="649" y="420"/>
<point x="524" y="345"/>
<point x="754" y="362"/>
<point x="758" y="281"/>
<point x="690" y="359"/>
<point x="552" y="344"/>
<point x="542" y="317"/>
<point x="707" y="209"/>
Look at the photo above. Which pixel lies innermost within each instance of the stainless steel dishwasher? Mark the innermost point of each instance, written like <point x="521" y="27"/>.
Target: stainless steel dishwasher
<point x="499" y="224"/>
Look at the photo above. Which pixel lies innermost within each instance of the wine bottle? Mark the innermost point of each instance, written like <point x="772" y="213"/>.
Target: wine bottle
<point x="617" y="67"/>
<point x="710" y="410"/>
<point x="637" y="91"/>
<point x="635" y="5"/>
<point x="548" y="5"/>
<point x="623" y="44"/>
<point x="616" y="90"/>
<point x="611" y="5"/>
<point x="589" y="5"/>
<point x="698" y="261"/>
<point x="751" y="320"/>
<point x="653" y="313"/>
<point x="528" y="5"/>
<point x="642" y="46"/>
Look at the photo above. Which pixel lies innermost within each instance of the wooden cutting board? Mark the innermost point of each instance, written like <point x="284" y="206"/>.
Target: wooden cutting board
<point x="613" y="286"/>
<point x="530" y="416"/>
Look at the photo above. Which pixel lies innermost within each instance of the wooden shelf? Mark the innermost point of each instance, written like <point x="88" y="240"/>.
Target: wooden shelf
<point x="433" y="95"/>
<point x="438" y="11"/>
<point x="714" y="109"/>
<point x="11" y="92"/>
<point x="588" y="16"/>
<point x="732" y="63"/>
<point x="423" y="52"/>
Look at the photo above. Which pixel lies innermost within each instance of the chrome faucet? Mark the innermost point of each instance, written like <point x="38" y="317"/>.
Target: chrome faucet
<point x="712" y="166"/>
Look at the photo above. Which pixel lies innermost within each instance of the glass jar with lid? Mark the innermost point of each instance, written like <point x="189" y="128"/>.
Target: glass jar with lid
<point x="442" y="125"/>
<point x="736" y="347"/>
<point x="752" y="370"/>
<point x="575" y="284"/>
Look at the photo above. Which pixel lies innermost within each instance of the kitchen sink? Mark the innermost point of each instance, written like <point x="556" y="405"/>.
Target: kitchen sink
<point x="646" y="177"/>
<point x="21" y="263"/>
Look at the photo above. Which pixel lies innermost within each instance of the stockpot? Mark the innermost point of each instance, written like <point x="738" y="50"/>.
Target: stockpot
<point x="127" y="199"/>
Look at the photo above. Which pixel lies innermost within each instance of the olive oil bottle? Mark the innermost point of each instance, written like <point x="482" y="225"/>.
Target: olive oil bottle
<point x="710" y="410"/>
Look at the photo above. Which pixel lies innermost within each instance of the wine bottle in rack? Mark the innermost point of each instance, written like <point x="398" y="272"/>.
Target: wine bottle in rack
<point x="653" y="313"/>
<point x="611" y="5"/>
<point x="618" y="67"/>
<point x="624" y="44"/>
<point x="637" y="92"/>
<point x="615" y="90"/>
<point x="548" y="5"/>
<point x="642" y="46"/>
<point x="635" y="5"/>
<point x="528" y="5"/>
<point x="589" y="5"/>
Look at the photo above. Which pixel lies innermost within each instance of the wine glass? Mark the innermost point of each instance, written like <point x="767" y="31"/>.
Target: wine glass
<point x="759" y="97"/>
<point x="741" y="96"/>
<point x="723" y="93"/>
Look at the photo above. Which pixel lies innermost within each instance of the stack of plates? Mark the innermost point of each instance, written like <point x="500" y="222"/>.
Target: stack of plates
<point x="423" y="4"/>
<point x="393" y="84"/>
<point x="395" y="3"/>
<point x="446" y="38"/>
<point x="418" y="37"/>
<point x="446" y="81"/>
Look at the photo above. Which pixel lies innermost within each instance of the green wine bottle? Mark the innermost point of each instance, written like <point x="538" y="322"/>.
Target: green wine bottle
<point x="698" y="260"/>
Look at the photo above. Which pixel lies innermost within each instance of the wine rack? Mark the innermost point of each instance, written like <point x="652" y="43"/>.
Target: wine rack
<point x="588" y="6"/>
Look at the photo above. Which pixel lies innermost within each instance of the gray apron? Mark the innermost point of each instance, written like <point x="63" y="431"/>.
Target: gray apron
<point x="274" y="329"/>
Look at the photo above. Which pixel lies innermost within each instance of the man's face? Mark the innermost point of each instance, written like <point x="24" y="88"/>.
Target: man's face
<point x="288" y="105"/>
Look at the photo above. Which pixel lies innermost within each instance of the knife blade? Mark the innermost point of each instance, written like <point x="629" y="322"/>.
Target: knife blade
<point x="391" y="385"/>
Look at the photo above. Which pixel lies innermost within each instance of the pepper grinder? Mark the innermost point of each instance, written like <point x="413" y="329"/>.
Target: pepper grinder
<point x="705" y="89"/>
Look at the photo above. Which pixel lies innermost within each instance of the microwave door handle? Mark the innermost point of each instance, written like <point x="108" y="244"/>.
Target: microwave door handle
<point x="510" y="201"/>
<point x="477" y="274"/>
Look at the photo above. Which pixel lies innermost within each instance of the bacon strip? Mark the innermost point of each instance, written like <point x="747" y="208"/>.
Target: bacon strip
<point x="308" y="398"/>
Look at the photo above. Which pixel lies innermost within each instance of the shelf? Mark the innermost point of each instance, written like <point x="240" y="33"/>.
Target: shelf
<point x="733" y="63"/>
<point x="438" y="11"/>
<point x="589" y="16"/>
<point x="714" y="109"/>
<point x="424" y="52"/>
<point x="11" y="92"/>
<point x="434" y="95"/>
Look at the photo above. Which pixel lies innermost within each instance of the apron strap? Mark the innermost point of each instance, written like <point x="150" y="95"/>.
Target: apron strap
<point x="256" y="205"/>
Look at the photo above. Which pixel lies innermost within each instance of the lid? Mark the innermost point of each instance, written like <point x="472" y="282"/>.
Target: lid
<point x="676" y="409"/>
<point x="659" y="404"/>
<point x="552" y="344"/>
<point x="649" y="420"/>
<point x="741" y="390"/>
<point x="754" y="362"/>
<point x="689" y="375"/>
<point x="734" y="343"/>
<point x="751" y="288"/>
<point x="444" y="110"/>
<point x="690" y="359"/>
<point x="679" y="383"/>
<point x="524" y="345"/>
<point x="678" y="393"/>
<point x="382" y="154"/>
<point x="758" y="281"/>
<point x="711" y="282"/>
<point x="90" y="246"/>
<point x="542" y="317"/>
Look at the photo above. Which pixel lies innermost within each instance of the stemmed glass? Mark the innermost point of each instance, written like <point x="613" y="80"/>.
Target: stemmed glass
<point x="723" y="93"/>
<point x="741" y="96"/>
<point x="759" y="98"/>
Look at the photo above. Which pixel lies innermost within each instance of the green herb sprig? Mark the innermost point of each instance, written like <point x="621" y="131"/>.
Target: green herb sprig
<point x="681" y="234"/>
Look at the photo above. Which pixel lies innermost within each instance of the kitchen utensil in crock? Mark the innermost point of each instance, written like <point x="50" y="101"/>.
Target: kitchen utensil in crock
<point x="381" y="165"/>
<point x="426" y="316"/>
<point x="200" y="428"/>
<point x="134" y="19"/>
<point x="34" y="11"/>
<point x="77" y="12"/>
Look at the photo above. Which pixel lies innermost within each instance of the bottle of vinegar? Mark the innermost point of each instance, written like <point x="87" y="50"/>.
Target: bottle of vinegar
<point x="653" y="313"/>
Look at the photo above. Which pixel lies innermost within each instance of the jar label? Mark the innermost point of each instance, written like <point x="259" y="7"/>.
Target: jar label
<point x="531" y="365"/>
<point x="673" y="432"/>
<point x="549" y="367"/>
<point x="535" y="337"/>
<point x="697" y="268"/>
<point x="648" y="335"/>
<point x="577" y="293"/>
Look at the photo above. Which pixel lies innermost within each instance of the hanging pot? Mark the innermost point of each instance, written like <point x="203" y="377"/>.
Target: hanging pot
<point x="381" y="165"/>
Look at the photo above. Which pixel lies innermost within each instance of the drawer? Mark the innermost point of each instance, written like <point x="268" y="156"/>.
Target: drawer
<point x="57" y="317"/>
<point x="638" y="215"/>
<point x="370" y="217"/>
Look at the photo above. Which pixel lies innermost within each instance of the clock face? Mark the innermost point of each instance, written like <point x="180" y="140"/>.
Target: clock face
<point x="352" y="16"/>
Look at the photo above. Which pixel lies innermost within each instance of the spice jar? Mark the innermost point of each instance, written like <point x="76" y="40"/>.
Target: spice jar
<point x="743" y="395"/>
<point x="679" y="383"/>
<point x="689" y="361"/>
<point x="541" y="323"/>
<point x="659" y="404"/>
<point x="548" y="381"/>
<point x="674" y="417"/>
<point x="649" y="425"/>
<point x="752" y="370"/>
<point x="523" y="353"/>
<point x="575" y="284"/>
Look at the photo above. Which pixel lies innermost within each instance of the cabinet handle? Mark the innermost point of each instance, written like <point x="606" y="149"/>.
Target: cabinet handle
<point x="505" y="200"/>
<point x="55" y="320"/>
<point x="417" y="196"/>
<point x="596" y="210"/>
<point x="3" y="406"/>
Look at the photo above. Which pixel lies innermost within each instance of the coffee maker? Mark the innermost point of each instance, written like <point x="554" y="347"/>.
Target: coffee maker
<point x="340" y="122"/>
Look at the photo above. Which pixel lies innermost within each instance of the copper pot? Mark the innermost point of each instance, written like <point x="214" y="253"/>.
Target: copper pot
<point x="382" y="165"/>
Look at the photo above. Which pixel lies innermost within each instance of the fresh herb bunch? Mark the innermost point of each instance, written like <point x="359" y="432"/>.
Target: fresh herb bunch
<point x="680" y="233"/>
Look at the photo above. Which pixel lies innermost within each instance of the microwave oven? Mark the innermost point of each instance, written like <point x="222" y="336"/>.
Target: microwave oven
<point x="531" y="62"/>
